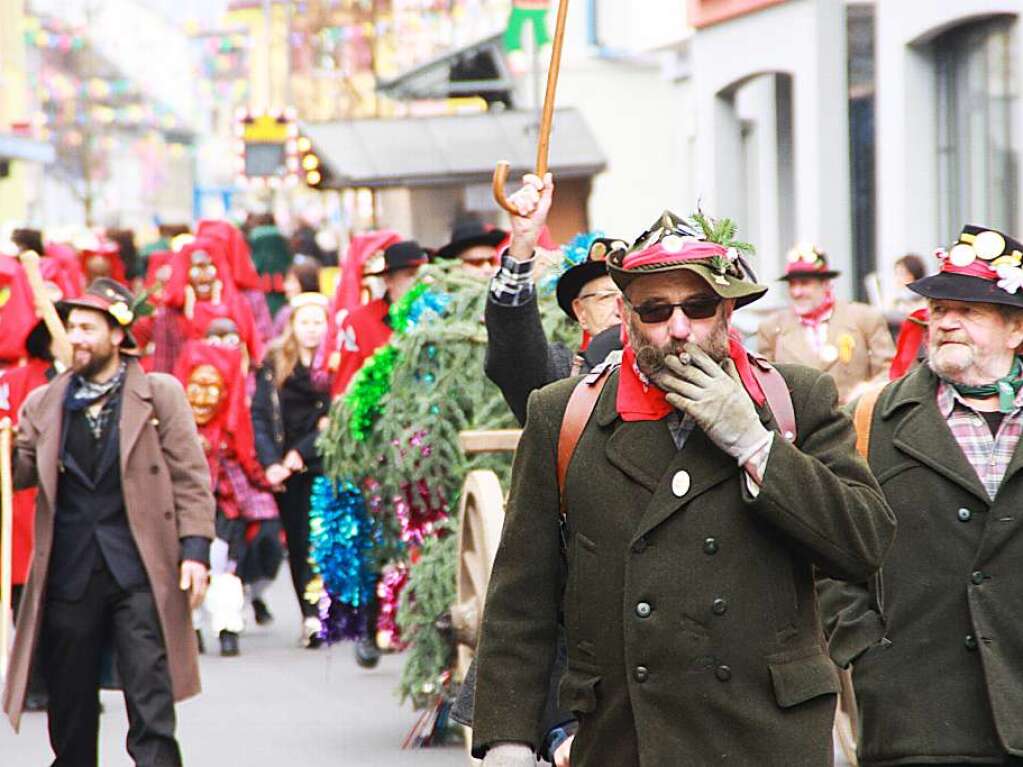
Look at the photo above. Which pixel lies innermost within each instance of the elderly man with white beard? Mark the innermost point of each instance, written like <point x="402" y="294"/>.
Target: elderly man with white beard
<point x="934" y="640"/>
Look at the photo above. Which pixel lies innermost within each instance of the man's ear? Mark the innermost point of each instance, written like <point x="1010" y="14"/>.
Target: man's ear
<point x="116" y="335"/>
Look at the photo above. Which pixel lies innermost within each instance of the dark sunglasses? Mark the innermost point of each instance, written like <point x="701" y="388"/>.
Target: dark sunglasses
<point x="700" y="308"/>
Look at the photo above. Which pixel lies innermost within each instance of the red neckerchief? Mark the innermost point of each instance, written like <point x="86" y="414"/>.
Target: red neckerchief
<point x="817" y="315"/>
<point x="639" y="400"/>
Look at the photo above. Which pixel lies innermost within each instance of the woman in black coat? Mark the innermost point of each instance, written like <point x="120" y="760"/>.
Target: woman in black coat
<point x="288" y="414"/>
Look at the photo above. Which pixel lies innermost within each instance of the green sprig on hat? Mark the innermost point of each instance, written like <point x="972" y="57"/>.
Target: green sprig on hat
<point x="721" y="231"/>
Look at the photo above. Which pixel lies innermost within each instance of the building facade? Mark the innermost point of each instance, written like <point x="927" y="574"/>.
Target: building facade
<point x="873" y="129"/>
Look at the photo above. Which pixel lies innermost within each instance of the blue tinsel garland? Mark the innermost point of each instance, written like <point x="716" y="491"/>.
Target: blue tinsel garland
<point x="341" y="537"/>
<point x="573" y="254"/>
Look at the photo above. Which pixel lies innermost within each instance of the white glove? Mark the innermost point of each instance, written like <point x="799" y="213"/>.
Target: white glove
<point x="510" y="755"/>
<point x="712" y="395"/>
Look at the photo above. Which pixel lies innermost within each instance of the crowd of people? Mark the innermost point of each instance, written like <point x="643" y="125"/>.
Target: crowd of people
<point x="742" y="505"/>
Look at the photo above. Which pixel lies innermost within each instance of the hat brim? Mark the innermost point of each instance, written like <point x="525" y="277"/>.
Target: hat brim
<point x="961" y="287"/>
<point x="128" y="343"/>
<point x="828" y="275"/>
<point x="726" y="286"/>
<point x="397" y="268"/>
<point x="453" y="250"/>
<point x="571" y="283"/>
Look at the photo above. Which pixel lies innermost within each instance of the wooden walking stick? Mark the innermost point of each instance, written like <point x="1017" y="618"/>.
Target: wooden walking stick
<point x="45" y="308"/>
<point x="6" y="532"/>
<point x="546" y="120"/>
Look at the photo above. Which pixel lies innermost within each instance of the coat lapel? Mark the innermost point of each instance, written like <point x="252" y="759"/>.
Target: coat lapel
<point x="48" y="445"/>
<point x="924" y="435"/>
<point x="136" y="409"/>
<point x="706" y="465"/>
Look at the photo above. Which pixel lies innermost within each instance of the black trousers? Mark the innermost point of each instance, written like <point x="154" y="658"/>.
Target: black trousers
<point x="293" y="506"/>
<point x="72" y="642"/>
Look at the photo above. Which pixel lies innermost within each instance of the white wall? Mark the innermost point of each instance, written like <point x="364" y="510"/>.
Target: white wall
<point x="907" y="113"/>
<point x="806" y="39"/>
<point x="640" y="113"/>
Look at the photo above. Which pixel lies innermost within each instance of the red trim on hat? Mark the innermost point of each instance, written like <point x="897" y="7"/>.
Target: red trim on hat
<point x="693" y="250"/>
<point x="796" y="267"/>
<point x="977" y="268"/>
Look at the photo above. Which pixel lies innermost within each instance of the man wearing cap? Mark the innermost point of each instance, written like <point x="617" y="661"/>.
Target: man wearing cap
<point x="691" y="533"/>
<point x="946" y="687"/>
<point x="366" y="329"/>
<point x="124" y="520"/>
<point x="848" y="340"/>
<point x="475" y="245"/>
<point x="519" y="357"/>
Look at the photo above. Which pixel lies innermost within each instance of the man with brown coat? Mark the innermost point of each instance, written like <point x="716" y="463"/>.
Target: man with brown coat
<point x="692" y="531"/>
<point x="946" y="685"/>
<point x="124" y="520"/>
<point x="848" y="340"/>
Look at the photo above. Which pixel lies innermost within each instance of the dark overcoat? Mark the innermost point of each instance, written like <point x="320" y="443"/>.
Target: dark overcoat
<point x="692" y="624"/>
<point x="166" y="497"/>
<point x="949" y="686"/>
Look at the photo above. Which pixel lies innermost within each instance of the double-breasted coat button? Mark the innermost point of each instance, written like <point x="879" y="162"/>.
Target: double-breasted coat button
<point x="964" y="515"/>
<point x="167" y="515"/>
<point x="977" y="577"/>
<point x="643" y="609"/>
<point x="970" y="641"/>
<point x="723" y="673"/>
<point x="719" y="607"/>
<point x="680" y="483"/>
<point x="154" y="469"/>
<point x="641" y="674"/>
<point x="710" y="546"/>
<point x="639" y="546"/>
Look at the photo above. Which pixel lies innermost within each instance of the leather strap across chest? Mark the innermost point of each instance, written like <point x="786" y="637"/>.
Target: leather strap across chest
<point x="587" y="392"/>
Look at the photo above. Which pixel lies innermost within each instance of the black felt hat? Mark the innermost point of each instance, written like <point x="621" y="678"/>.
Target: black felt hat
<point x="982" y="266"/>
<point x="571" y="283"/>
<point x="807" y="262"/>
<point x="402" y="255"/>
<point x="469" y="233"/>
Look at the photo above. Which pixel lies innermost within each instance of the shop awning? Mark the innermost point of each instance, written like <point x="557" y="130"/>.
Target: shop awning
<point x="449" y="149"/>
<point x="14" y="147"/>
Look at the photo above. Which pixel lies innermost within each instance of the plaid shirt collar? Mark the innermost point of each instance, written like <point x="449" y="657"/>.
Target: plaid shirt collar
<point x="948" y="398"/>
<point x="988" y="454"/>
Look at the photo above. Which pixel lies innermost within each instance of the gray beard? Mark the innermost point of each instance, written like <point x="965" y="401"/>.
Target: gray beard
<point x="650" y="358"/>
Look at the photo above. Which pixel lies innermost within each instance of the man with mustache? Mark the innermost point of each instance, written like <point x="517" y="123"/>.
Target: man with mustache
<point x="946" y="687"/>
<point x="681" y="542"/>
<point x="124" y="520"/>
<point x="846" y="339"/>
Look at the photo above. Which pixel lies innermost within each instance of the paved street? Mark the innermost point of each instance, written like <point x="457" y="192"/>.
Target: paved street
<point x="276" y="705"/>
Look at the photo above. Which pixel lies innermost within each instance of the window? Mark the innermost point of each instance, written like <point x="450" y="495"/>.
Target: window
<point x="978" y="164"/>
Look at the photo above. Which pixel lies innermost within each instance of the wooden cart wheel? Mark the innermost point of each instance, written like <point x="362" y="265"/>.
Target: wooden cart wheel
<point x="480" y="519"/>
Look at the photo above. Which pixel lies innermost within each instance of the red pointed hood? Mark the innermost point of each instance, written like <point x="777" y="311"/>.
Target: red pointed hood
<point x="236" y="249"/>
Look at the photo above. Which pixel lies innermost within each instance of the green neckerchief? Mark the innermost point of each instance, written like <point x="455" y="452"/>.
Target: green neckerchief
<point x="1007" y="388"/>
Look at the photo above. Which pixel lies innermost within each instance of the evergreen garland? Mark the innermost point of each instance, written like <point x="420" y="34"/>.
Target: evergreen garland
<point x="407" y="451"/>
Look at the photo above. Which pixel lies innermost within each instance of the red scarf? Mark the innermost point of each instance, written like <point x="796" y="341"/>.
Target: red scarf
<point x="639" y="400"/>
<point x="819" y="314"/>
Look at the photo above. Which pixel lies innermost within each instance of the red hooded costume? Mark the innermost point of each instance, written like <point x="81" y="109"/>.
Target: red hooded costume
<point x="17" y="310"/>
<point x="243" y="271"/>
<point x="355" y="331"/>
<point x="228" y="436"/>
<point x="182" y="316"/>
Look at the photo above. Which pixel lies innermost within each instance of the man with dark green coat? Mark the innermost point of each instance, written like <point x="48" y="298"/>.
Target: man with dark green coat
<point x="946" y="687"/>
<point x="692" y="533"/>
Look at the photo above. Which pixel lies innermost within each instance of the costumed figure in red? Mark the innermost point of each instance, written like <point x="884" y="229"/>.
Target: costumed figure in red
<point x="250" y="285"/>
<point x="200" y="289"/>
<point x="361" y="331"/>
<point x="214" y="385"/>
